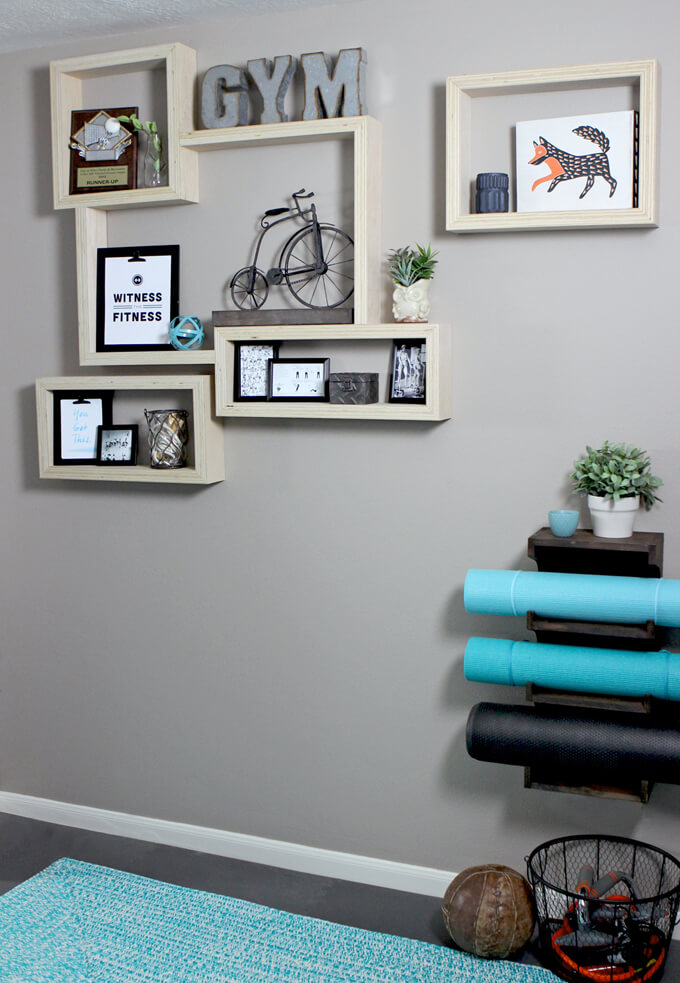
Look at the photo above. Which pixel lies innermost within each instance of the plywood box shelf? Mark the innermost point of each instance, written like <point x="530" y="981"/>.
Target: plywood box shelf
<point x="365" y="134"/>
<point x="463" y="95"/>
<point x="67" y="94"/>
<point x="92" y="224"/>
<point x="437" y="385"/>
<point x="91" y="235"/>
<point x="206" y="433"/>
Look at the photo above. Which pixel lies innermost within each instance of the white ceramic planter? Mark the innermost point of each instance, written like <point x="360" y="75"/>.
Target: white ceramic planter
<point x="411" y="303"/>
<point x="613" y="520"/>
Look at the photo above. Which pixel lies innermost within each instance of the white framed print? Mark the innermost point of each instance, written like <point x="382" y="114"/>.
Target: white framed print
<point x="299" y="378"/>
<point x="137" y="297"/>
<point x="77" y="419"/>
<point x="577" y="162"/>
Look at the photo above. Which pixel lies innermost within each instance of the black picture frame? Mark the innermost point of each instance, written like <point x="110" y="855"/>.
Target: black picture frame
<point x="251" y="376"/>
<point x="61" y="399"/>
<point x="408" y="378"/>
<point x="299" y="380"/>
<point x="106" y="453"/>
<point x="147" y="310"/>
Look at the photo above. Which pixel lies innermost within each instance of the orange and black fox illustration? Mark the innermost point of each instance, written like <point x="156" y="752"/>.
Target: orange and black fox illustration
<point x="565" y="166"/>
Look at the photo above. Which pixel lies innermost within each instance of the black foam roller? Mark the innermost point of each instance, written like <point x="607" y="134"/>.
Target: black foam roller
<point x="615" y="743"/>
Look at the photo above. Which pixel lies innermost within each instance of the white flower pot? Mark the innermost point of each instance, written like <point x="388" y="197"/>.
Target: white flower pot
<point x="613" y="520"/>
<point x="411" y="303"/>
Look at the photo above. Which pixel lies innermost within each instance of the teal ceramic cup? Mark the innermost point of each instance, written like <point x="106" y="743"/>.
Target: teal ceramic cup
<point x="563" y="522"/>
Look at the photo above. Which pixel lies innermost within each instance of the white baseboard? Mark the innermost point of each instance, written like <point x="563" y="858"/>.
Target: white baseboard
<point x="238" y="846"/>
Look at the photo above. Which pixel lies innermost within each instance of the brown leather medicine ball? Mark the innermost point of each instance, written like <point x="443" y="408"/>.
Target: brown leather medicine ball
<point x="489" y="911"/>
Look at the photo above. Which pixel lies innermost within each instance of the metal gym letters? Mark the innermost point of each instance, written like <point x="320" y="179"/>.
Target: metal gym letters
<point x="329" y="90"/>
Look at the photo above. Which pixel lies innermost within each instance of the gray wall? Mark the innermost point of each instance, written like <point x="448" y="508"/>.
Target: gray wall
<point x="281" y="654"/>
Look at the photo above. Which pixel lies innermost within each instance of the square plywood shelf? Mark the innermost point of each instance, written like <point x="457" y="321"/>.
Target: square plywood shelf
<point x="67" y="78"/>
<point x="206" y="433"/>
<point x="464" y="94"/>
<point x="437" y="384"/>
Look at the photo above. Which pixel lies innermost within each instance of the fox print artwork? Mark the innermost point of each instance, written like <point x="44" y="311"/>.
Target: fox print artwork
<point x="557" y="170"/>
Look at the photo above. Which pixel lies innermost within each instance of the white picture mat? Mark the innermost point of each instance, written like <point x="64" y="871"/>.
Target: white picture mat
<point x="298" y="379"/>
<point x="565" y="196"/>
<point x="79" y="422"/>
<point x="254" y="369"/>
<point x="116" y="445"/>
<point x="126" y="301"/>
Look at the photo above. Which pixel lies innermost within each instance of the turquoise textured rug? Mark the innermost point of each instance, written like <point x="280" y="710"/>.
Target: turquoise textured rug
<point x="78" y="923"/>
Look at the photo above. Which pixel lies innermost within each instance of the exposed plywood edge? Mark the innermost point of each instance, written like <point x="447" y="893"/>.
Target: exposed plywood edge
<point x="263" y="133"/>
<point x="526" y="221"/>
<point x="535" y="79"/>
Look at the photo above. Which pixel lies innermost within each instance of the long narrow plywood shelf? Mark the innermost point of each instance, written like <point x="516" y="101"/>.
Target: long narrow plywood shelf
<point x="462" y="91"/>
<point x="206" y="434"/>
<point x="437" y="385"/>
<point x="66" y="87"/>
<point x="293" y="131"/>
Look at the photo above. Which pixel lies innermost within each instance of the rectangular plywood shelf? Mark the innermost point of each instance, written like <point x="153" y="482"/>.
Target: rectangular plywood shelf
<point x="365" y="134"/>
<point x="438" y="377"/>
<point x="464" y="91"/>
<point x="66" y="85"/>
<point x="206" y="436"/>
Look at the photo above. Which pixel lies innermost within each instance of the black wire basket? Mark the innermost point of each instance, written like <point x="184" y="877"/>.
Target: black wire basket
<point x="606" y="907"/>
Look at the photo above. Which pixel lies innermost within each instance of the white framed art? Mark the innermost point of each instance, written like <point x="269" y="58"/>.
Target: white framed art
<point x="137" y="297"/>
<point x="577" y="162"/>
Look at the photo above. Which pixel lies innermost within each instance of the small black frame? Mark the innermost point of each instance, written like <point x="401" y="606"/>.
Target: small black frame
<point x="252" y="373"/>
<point x="83" y="397"/>
<point x="299" y="380"/>
<point x="106" y="450"/>
<point x="409" y="371"/>
<point x="143" y="311"/>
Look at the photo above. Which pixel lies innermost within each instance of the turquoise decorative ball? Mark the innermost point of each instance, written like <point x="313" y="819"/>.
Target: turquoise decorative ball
<point x="186" y="333"/>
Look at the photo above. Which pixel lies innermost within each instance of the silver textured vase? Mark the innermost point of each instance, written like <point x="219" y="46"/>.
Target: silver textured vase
<point x="168" y="436"/>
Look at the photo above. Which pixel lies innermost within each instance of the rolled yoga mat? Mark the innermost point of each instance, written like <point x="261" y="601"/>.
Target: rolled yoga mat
<point x="574" y="667"/>
<point x="621" y="744"/>
<point x="575" y="596"/>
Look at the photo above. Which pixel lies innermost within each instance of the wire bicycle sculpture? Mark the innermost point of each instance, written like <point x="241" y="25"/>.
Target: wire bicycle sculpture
<point x="316" y="263"/>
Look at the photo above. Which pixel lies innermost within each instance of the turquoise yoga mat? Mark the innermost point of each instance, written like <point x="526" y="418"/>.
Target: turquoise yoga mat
<point x="573" y="667"/>
<point x="576" y="596"/>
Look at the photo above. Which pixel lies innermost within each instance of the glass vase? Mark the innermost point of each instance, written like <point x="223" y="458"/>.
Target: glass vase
<point x="155" y="169"/>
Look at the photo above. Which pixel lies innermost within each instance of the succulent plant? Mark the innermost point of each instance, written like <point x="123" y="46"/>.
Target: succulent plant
<point x="616" y="471"/>
<point x="408" y="265"/>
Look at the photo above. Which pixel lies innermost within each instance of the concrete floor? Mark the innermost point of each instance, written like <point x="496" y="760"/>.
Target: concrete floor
<point x="27" y="846"/>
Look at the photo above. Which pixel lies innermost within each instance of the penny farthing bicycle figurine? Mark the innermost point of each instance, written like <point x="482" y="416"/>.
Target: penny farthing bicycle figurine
<point x="316" y="263"/>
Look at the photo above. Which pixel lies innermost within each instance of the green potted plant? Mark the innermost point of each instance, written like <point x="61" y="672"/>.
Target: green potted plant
<point x="617" y="479"/>
<point x="412" y="271"/>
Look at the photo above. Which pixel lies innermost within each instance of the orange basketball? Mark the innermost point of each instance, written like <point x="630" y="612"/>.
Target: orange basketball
<point x="489" y="911"/>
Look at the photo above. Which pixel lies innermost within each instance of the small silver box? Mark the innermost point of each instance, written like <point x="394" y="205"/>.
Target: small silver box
<point x="354" y="387"/>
